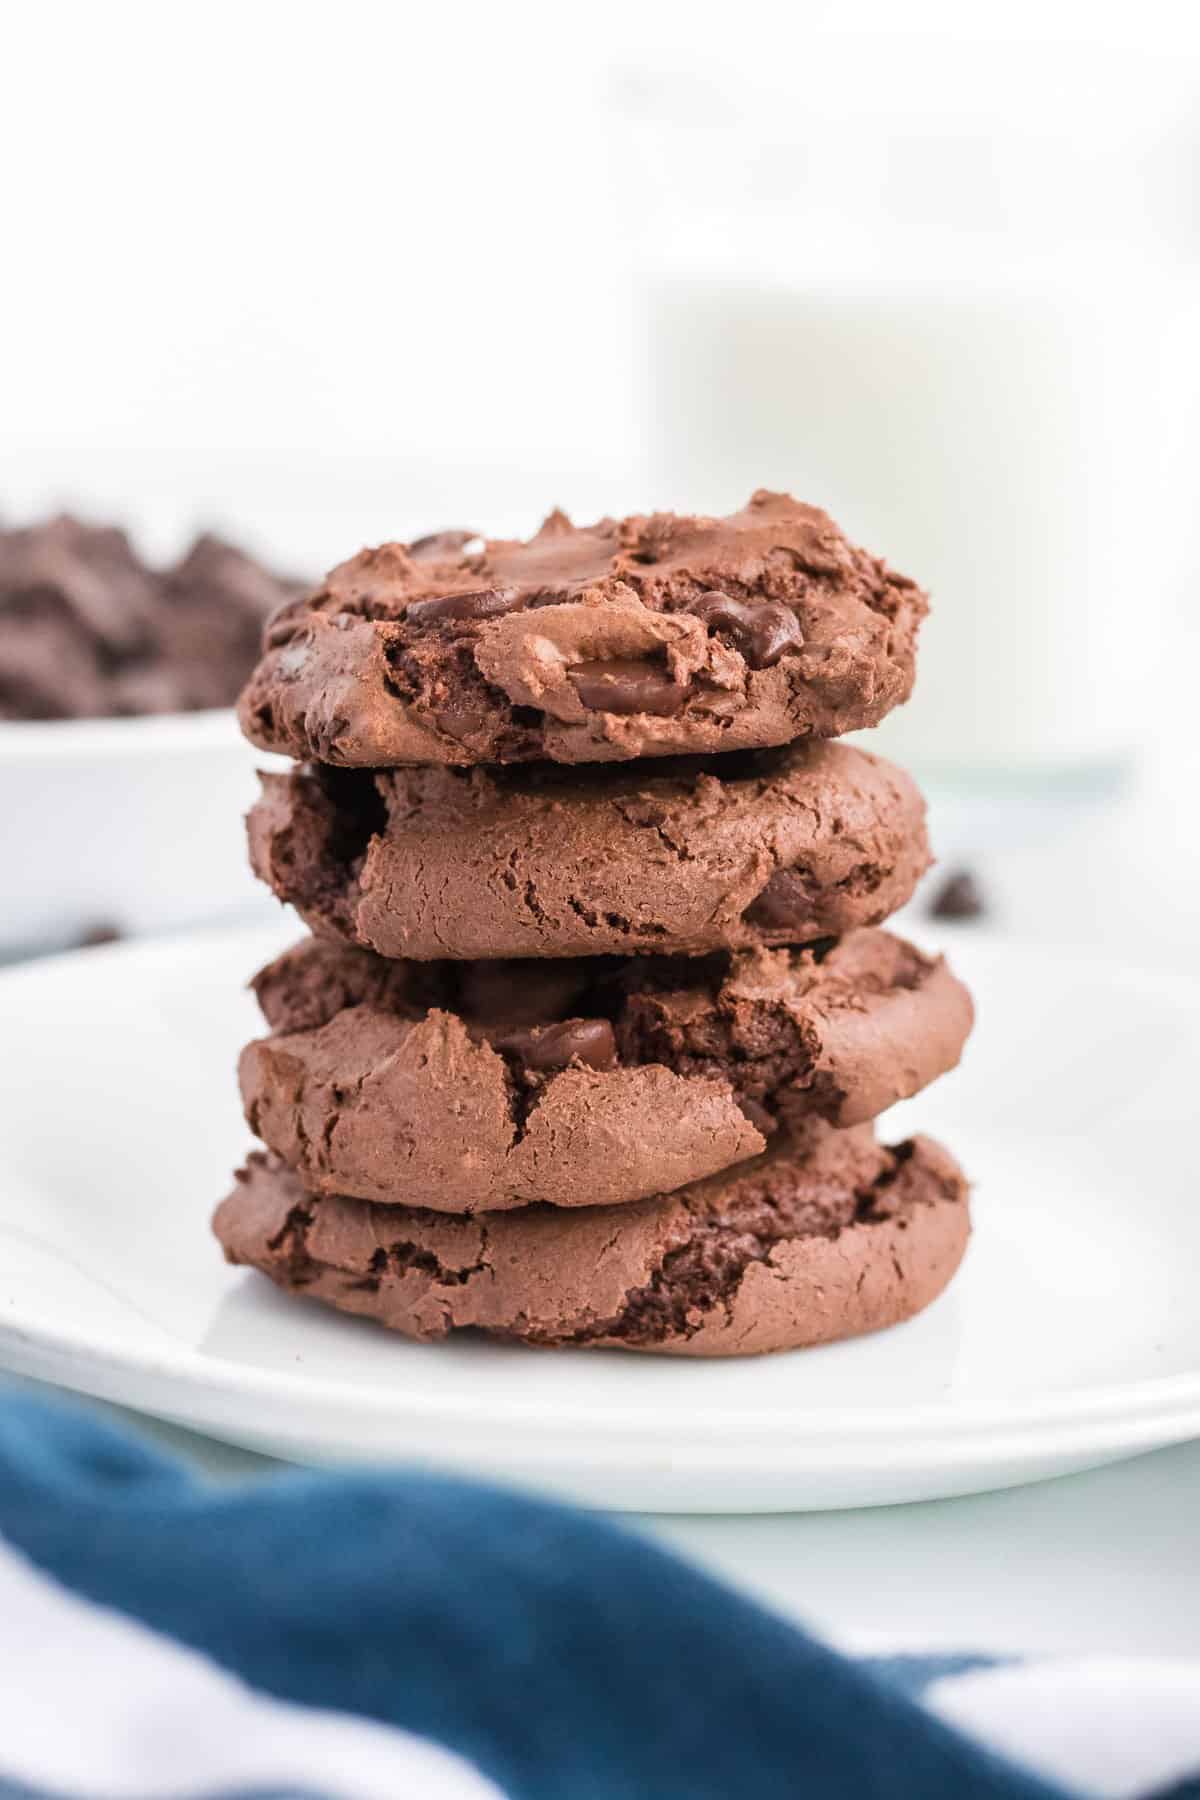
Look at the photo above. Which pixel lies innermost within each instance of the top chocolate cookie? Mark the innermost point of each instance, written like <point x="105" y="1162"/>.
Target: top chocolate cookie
<point x="646" y="636"/>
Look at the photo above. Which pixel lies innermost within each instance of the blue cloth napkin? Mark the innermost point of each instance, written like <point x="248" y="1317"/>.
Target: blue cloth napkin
<point x="553" y="1655"/>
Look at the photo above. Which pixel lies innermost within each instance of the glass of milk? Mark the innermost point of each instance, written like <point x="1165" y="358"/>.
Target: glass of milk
<point x="973" y="341"/>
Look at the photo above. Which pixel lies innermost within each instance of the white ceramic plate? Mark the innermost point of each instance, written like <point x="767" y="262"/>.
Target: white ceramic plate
<point x="1071" y="1338"/>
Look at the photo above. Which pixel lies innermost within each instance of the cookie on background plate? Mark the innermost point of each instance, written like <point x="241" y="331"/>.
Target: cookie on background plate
<point x="827" y="1237"/>
<point x="764" y="847"/>
<point x="488" y="1086"/>
<point x="88" y="630"/>
<point x="648" y="636"/>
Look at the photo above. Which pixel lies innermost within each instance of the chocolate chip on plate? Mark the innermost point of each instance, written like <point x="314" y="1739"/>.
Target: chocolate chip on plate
<point x="103" y="932"/>
<point x="958" y="897"/>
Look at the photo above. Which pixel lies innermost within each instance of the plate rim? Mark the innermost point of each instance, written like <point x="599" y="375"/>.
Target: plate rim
<point x="1150" y="1398"/>
<point x="990" y="1439"/>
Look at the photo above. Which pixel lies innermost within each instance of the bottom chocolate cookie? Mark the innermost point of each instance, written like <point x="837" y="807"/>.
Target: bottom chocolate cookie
<point x="822" y="1237"/>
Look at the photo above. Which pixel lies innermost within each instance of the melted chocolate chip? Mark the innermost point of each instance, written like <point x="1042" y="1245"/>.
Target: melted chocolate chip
<point x="959" y="897"/>
<point x="461" y="722"/>
<point x="480" y="603"/>
<point x="439" y="545"/>
<point x="721" y="612"/>
<point x="785" y="902"/>
<point x="763" y="630"/>
<point x="774" y="631"/>
<point x="624" y="685"/>
<point x="589" y="1041"/>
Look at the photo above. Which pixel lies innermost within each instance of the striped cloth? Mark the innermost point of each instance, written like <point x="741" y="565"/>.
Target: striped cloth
<point x="405" y="1635"/>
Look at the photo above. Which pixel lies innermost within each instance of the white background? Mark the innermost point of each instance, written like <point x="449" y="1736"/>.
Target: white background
<point x="317" y="272"/>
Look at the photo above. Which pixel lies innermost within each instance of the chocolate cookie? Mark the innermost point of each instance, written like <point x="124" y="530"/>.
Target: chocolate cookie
<point x="816" y="1240"/>
<point x="639" y="637"/>
<point x="487" y="1086"/>
<point x="88" y="630"/>
<point x="76" y="608"/>
<point x="762" y="847"/>
<point x="213" y="605"/>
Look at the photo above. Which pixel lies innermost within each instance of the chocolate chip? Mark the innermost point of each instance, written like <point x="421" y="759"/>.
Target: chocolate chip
<point x="774" y="630"/>
<point x="721" y="612"/>
<point x="785" y="904"/>
<point x="480" y="603"/>
<point x="763" y="630"/>
<point x="589" y="1041"/>
<point x="461" y="722"/>
<point x="759" y="1117"/>
<point x="439" y="545"/>
<point x="624" y="685"/>
<point x="959" y="897"/>
<point x="101" y="933"/>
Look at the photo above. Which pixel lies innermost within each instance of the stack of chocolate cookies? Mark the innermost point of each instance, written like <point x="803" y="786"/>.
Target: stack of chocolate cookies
<point x="589" y="1038"/>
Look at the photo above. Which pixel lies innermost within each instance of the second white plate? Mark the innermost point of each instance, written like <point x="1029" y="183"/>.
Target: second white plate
<point x="1071" y="1338"/>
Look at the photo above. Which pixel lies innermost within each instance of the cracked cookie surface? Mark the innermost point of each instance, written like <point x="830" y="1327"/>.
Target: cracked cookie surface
<point x="648" y="636"/>
<point x="488" y="1086"/>
<point x="823" y="1237"/>
<point x="766" y="847"/>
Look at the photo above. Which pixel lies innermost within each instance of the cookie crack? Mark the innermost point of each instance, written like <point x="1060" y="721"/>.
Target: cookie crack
<point x="703" y="1275"/>
<point x="615" y="921"/>
<point x="289" y="1247"/>
<point x="523" y="1100"/>
<point x="531" y="903"/>
<point x="405" y="1256"/>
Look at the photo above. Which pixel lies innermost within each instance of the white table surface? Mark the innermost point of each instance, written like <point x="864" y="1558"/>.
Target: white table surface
<point x="1108" y="1560"/>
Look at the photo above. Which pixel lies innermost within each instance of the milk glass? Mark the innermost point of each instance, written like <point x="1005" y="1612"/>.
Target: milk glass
<point x="1009" y="442"/>
<point x="989" y="381"/>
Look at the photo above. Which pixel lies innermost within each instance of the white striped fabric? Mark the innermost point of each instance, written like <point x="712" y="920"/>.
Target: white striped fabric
<point x="93" y="1704"/>
<point x="1113" y="1727"/>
